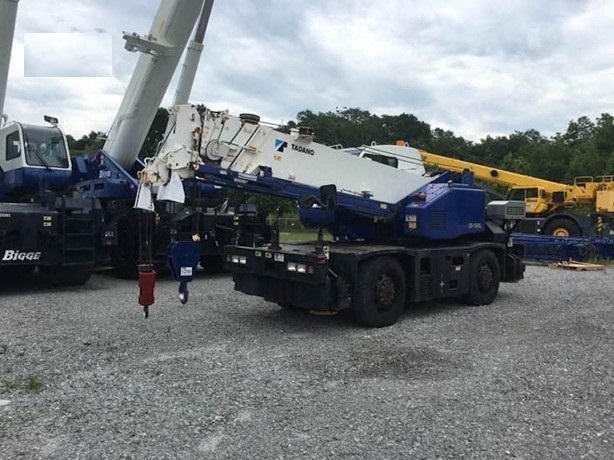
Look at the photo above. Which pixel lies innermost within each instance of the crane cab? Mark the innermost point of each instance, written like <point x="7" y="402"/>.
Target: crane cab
<point x="538" y="200"/>
<point x="32" y="156"/>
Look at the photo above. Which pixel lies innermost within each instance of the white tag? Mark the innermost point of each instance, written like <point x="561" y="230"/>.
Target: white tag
<point x="173" y="191"/>
<point x="143" y="199"/>
<point x="186" y="271"/>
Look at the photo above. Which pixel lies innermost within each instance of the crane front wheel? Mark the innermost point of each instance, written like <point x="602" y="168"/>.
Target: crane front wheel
<point x="64" y="275"/>
<point x="485" y="276"/>
<point x="379" y="293"/>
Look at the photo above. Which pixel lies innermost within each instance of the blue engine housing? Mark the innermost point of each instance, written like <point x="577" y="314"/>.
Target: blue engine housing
<point x="445" y="211"/>
<point x="441" y="210"/>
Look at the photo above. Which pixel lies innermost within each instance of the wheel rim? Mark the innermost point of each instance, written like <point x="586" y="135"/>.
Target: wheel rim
<point x="485" y="277"/>
<point x="560" y="232"/>
<point x="385" y="293"/>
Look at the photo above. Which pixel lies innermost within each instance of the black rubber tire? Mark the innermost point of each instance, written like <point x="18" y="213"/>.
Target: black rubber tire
<point x="286" y="306"/>
<point x="64" y="276"/>
<point x="379" y="294"/>
<point x="16" y="272"/>
<point x="125" y="255"/>
<point x="562" y="226"/>
<point x="212" y="264"/>
<point x="484" y="278"/>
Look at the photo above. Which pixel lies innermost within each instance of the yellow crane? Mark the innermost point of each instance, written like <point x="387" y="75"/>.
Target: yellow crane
<point x="549" y="205"/>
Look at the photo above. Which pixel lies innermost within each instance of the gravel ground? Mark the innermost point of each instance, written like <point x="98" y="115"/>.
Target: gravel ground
<point x="84" y="375"/>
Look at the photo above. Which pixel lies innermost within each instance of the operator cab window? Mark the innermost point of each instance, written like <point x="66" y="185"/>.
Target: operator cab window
<point x="383" y="159"/>
<point x="13" y="146"/>
<point x="517" y="194"/>
<point x="532" y="193"/>
<point x="45" y="147"/>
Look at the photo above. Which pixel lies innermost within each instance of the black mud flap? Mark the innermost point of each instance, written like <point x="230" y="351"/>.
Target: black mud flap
<point x="513" y="269"/>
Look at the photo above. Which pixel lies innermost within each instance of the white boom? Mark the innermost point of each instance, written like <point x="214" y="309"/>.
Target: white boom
<point x="162" y="49"/>
<point x="190" y="65"/>
<point x="8" y="15"/>
<point x="242" y="145"/>
<point x="192" y="57"/>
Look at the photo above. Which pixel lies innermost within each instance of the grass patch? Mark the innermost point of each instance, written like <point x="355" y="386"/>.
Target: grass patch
<point x="64" y="407"/>
<point x="8" y="386"/>
<point x="286" y="236"/>
<point x="34" y="384"/>
<point x="156" y="372"/>
<point x="111" y="347"/>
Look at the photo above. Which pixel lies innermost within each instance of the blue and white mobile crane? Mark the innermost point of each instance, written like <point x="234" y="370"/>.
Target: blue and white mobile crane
<point x="204" y="214"/>
<point x="41" y="222"/>
<point x="399" y="235"/>
<point x="70" y="215"/>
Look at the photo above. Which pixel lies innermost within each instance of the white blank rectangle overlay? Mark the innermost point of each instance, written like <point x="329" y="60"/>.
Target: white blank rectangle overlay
<point x="68" y="55"/>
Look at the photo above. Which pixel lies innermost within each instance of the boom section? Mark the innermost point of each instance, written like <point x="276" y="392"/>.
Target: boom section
<point x="8" y="15"/>
<point x="489" y="174"/>
<point x="240" y="152"/>
<point x="161" y="50"/>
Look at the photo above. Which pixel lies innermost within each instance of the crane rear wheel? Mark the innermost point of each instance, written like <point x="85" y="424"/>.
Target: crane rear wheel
<point x="562" y="227"/>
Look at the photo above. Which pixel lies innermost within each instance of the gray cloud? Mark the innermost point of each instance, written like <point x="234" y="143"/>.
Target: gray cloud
<point x="477" y="67"/>
<point x="67" y="55"/>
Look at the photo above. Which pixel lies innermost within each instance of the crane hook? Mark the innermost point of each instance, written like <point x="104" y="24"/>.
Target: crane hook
<point x="183" y="293"/>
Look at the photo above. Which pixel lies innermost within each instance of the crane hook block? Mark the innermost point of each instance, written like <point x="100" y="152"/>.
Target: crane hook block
<point x="147" y="282"/>
<point x="183" y="257"/>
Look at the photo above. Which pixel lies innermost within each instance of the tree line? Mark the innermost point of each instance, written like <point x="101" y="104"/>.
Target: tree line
<point x="586" y="148"/>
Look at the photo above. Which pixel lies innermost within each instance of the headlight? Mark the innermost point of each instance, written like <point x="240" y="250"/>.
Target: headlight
<point x="299" y="268"/>
<point x="235" y="259"/>
<point x="243" y="260"/>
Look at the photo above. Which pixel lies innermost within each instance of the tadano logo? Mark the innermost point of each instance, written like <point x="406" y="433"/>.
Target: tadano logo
<point x="280" y="145"/>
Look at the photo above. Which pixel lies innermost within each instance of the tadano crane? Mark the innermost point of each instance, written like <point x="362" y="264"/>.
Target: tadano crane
<point x="399" y="234"/>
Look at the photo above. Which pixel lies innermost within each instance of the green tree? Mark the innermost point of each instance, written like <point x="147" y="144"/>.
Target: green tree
<point x="580" y="131"/>
<point x="86" y="144"/>
<point x="445" y="143"/>
<point x="269" y="205"/>
<point x="155" y="133"/>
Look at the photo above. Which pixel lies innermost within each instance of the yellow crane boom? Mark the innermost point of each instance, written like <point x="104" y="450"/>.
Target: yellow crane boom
<point x="488" y="173"/>
<point x="541" y="196"/>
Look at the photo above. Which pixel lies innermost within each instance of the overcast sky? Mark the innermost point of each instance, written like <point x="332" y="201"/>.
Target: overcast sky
<point x="475" y="67"/>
